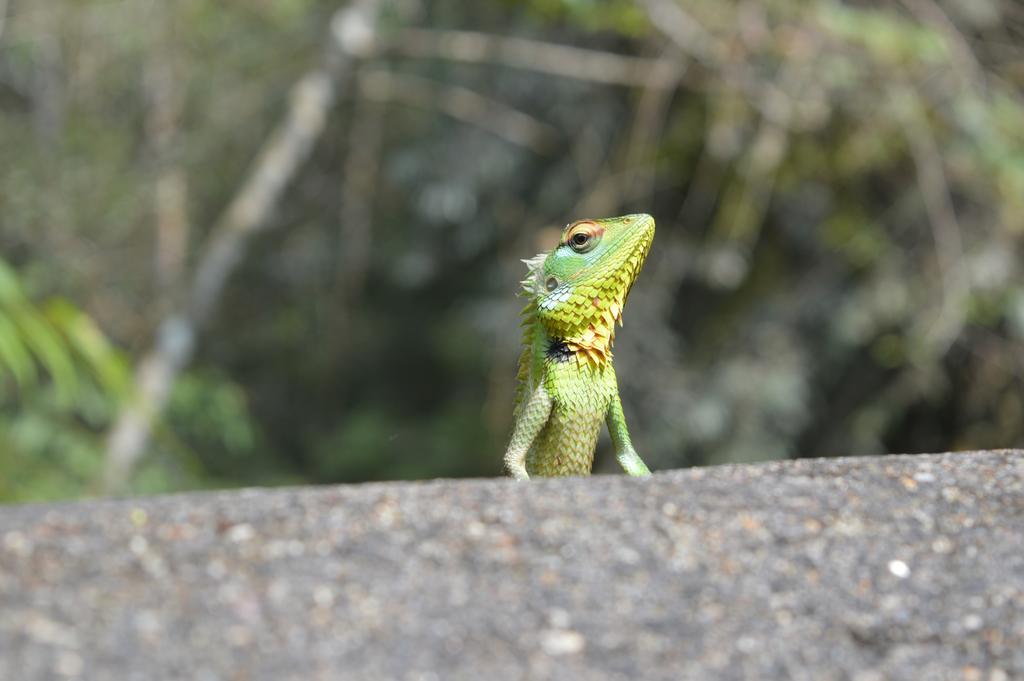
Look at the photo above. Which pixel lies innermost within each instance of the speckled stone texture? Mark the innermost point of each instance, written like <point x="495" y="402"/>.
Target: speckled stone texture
<point x="869" y="569"/>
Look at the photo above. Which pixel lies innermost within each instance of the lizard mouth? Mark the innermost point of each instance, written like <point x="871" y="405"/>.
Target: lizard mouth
<point x="632" y="245"/>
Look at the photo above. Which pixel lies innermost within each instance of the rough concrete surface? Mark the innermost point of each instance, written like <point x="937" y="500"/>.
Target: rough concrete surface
<point x="908" y="567"/>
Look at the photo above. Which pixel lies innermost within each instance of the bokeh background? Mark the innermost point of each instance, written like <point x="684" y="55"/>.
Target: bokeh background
<point x="279" y="241"/>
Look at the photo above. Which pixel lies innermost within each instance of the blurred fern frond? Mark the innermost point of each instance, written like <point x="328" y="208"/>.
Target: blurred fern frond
<point x="60" y="379"/>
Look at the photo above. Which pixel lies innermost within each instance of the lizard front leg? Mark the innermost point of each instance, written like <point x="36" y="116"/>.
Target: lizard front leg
<point x="529" y="422"/>
<point x="624" y="452"/>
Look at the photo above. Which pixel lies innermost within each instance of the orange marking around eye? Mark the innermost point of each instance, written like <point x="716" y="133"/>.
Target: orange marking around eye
<point x="591" y="228"/>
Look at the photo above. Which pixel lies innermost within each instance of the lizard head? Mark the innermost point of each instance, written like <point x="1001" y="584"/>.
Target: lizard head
<point x="580" y="287"/>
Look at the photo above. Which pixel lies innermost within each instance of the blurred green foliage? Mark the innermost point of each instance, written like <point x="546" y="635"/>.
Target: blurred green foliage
<point x="839" y="189"/>
<point x="59" y="381"/>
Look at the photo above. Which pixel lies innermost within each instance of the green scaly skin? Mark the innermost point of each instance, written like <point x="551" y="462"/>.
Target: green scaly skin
<point x="567" y="384"/>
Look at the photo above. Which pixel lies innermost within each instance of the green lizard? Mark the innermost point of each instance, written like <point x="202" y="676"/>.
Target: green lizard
<point x="567" y="384"/>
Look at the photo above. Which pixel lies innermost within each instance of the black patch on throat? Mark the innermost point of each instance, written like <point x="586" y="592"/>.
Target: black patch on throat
<point x="558" y="351"/>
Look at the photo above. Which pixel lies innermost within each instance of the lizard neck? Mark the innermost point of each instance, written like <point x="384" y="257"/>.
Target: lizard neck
<point x="591" y="351"/>
<point x="586" y="329"/>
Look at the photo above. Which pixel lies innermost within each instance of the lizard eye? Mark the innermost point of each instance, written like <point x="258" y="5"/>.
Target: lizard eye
<point x="583" y="236"/>
<point x="551" y="284"/>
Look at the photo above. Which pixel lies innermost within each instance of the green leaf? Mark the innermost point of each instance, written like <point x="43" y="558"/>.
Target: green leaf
<point x="46" y="344"/>
<point x="86" y="338"/>
<point x="13" y="354"/>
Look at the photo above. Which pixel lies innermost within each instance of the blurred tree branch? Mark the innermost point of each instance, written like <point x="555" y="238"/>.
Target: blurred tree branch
<point x="935" y="193"/>
<point x="964" y="60"/>
<point x="682" y="29"/>
<point x="162" y="84"/>
<point x="652" y="111"/>
<point x="48" y="96"/>
<point x="534" y="55"/>
<point x="3" y="18"/>
<point x="629" y="172"/>
<point x="460" y="103"/>
<point x="287" y="148"/>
